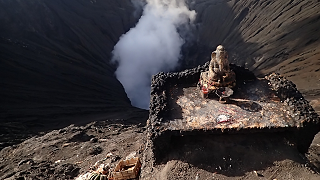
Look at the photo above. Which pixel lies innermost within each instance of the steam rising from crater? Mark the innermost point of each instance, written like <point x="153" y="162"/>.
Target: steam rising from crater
<point x="152" y="46"/>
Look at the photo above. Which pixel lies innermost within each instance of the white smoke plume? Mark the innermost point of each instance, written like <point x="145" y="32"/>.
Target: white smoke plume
<point x="152" y="46"/>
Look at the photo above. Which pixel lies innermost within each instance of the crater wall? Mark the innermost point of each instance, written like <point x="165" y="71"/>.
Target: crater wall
<point x="55" y="56"/>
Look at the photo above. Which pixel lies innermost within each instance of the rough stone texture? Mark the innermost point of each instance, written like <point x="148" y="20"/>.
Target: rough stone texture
<point x="68" y="152"/>
<point x="300" y="118"/>
<point x="290" y="96"/>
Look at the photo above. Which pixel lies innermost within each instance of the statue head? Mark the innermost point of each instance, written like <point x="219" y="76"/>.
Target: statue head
<point x="220" y="51"/>
<point x="220" y="48"/>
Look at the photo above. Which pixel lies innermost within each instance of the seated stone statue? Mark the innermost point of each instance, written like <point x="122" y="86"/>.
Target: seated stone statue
<point x="220" y="78"/>
<point x="219" y="70"/>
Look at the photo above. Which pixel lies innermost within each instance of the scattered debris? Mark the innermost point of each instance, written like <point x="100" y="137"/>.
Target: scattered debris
<point x="274" y="174"/>
<point x="94" y="140"/>
<point x="197" y="176"/>
<point x="98" y="176"/>
<point x="115" y="158"/>
<point x="222" y="118"/>
<point x="95" y="150"/>
<point x="103" y="172"/>
<point x="103" y="140"/>
<point x="84" y="176"/>
<point x="131" y="155"/>
<point x="58" y="161"/>
<point x="27" y="161"/>
<point x="127" y="169"/>
<point x="66" y="144"/>
<point x="109" y="155"/>
<point x="258" y="174"/>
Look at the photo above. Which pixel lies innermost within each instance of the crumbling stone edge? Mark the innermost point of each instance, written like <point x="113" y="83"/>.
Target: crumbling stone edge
<point x="303" y="111"/>
<point x="285" y="90"/>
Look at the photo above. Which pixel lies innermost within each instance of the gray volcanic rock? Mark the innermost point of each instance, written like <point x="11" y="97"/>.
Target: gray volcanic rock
<point x="56" y="54"/>
<point x="55" y="62"/>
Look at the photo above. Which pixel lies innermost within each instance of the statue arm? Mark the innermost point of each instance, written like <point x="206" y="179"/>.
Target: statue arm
<point x="213" y="63"/>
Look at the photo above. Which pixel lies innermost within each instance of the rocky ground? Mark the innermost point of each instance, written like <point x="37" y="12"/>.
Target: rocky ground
<point x="236" y="157"/>
<point x="70" y="151"/>
<point x="73" y="150"/>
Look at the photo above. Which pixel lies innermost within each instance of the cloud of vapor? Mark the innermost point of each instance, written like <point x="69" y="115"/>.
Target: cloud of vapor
<point x="152" y="46"/>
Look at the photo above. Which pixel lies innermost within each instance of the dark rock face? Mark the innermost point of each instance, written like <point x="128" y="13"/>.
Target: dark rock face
<point x="258" y="34"/>
<point x="55" y="63"/>
<point x="55" y="57"/>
